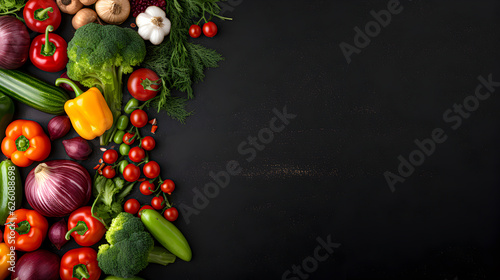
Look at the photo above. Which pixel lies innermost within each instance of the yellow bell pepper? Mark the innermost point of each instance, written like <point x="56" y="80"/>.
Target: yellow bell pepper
<point x="88" y="111"/>
<point x="6" y="261"/>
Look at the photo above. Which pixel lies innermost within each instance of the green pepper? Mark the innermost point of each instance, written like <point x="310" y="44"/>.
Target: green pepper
<point x="122" y="165"/>
<point x="124" y="149"/>
<point x="118" y="138"/>
<point x="6" y="113"/>
<point x="167" y="234"/>
<point x="131" y="105"/>
<point x="122" y="122"/>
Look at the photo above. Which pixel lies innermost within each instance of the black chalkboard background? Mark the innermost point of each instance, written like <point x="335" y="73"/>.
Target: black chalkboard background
<point x="322" y="178"/>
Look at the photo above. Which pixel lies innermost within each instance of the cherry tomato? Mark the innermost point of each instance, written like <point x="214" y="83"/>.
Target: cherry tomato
<point x="127" y="138"/>
<point x="139" y="118"/>
<point x="148" y="143"/>
<point x="151" y="169"/>
<point x="110" y="156"/>
<point x="209" y="29"/>
<point x="121" y="166"/>
<point x="171" y="214"/>
<point x="195" y="31"/>
<point x="147" y="188"/>
<point x="124" y="149"/>
<point x="132" y="206"/>
<point x="157" y="202"/>
<point x="131" y="172"/>
<point x="109" y="172"/>
<point x="143" y="84"/>
<point x="168" y="186"/>
<point x="136" y="154"/>
<point x="142" y="208"/>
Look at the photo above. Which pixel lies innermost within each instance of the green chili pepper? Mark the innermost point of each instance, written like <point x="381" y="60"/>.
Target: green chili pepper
<point x="124" y="149"/>
<point x="131" y="105"/>
<point x="122" y="165"/>
<point x="166" y="233"/>
<point x="118" y="138"/>
<point x="122" y="122"/>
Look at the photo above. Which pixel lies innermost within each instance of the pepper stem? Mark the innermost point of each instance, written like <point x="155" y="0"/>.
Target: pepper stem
<point x="48" y="48"/>
<point x="80" y="272"/>
<point x="22" y="143"/>
<point x="72" y="84"/>
<point x="23" y="227"/>
<point x="43" y="14"/>
<point x="81" y="228"/>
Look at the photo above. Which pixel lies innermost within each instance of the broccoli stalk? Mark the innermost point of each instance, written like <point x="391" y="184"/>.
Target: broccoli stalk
<point x="130" y="248"/>
<point x="99" y="55"/>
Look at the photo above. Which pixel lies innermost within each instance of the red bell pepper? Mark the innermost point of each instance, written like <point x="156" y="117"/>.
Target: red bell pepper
<point x="49" y="52"/>
<point x="80" y="264"/>
<point x="39" y="14"/>
<point x="28" y="227"/>
<point x="86" y="229"/>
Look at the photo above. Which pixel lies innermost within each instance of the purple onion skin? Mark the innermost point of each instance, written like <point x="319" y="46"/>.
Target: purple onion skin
<point x="14" y="43"/>
<point x="58" y="187"/>
<point x="57" y="233"/>
<point x="77" y="148"/>
<point x="37" y="265"/>
<point x="58" y="127"/>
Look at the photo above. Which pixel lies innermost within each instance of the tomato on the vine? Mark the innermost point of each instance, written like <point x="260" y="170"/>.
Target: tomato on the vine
<point x="128" y="138"/>
<point x="109" y="172"/>
<point x="143" y="84"/>
<point x="194" y="31"/>
<point x="171" y="214"/>
<point x="151" y="169"/>
<point x="157" y="202"/>
<point x="110" y="156"/>
<point x="148" y="143"/>
<point x="136" y="154"/>
<point x="132" y="206"/>
<point x="209" y="29"/>
<point x="139" y="118"/>
<point x="131" y="173"/>
<point x="147" y="188"/>
<point x="168" y="186"/>
<point x="142" y="208"/>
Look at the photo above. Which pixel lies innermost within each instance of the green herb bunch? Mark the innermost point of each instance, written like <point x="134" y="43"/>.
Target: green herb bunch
<point x="11" y="7"/>
<point x="178" y="62"/>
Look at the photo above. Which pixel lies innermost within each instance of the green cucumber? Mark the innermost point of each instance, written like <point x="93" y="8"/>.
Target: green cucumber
<point x="11" y="189"/>
<point x="32" y="92"/>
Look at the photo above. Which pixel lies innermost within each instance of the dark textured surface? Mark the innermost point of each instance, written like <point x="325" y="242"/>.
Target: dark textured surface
<point x="323" y="174"/>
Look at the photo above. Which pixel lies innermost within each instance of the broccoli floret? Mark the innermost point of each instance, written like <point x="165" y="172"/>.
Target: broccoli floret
<point x="99" y="55"/>
<point x="130" y="248"/>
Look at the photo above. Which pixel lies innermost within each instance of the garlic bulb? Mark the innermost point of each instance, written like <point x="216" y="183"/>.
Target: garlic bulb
<point x="153" y="25"/>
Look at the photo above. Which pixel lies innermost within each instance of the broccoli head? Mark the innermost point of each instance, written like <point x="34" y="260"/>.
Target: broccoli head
<point x="130" y="248"/>
<point x="98" y="57"/>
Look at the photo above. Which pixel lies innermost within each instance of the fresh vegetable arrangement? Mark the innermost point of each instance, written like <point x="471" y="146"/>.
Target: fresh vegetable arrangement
<point x="157" y="51"/>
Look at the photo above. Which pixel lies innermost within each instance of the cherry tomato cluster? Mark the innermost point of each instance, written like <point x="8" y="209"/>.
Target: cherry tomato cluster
<point x="158" y="202"/>
<point x="209" y="29"/>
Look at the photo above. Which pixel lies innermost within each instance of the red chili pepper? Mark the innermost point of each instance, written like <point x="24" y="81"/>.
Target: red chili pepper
<point x="80" y="264"/>
<point x="51" y="56"/>
<point x="86" y="229"/>
<point x="39" y="14"/>
<point x="154" y="128"/>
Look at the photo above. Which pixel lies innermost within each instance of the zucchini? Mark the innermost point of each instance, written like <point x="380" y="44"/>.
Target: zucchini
<point x="11" y="189"/>
<point x="32" y="92"/>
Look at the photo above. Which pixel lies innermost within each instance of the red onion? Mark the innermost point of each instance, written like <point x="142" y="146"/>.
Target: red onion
<point x="58" y="187"/>
<point x="58" y="127"/>
<point x="57" y="233"/>
<point x="77" y="148"/>
<point x="14" y="43"/>
<point x="37" y="265"/>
